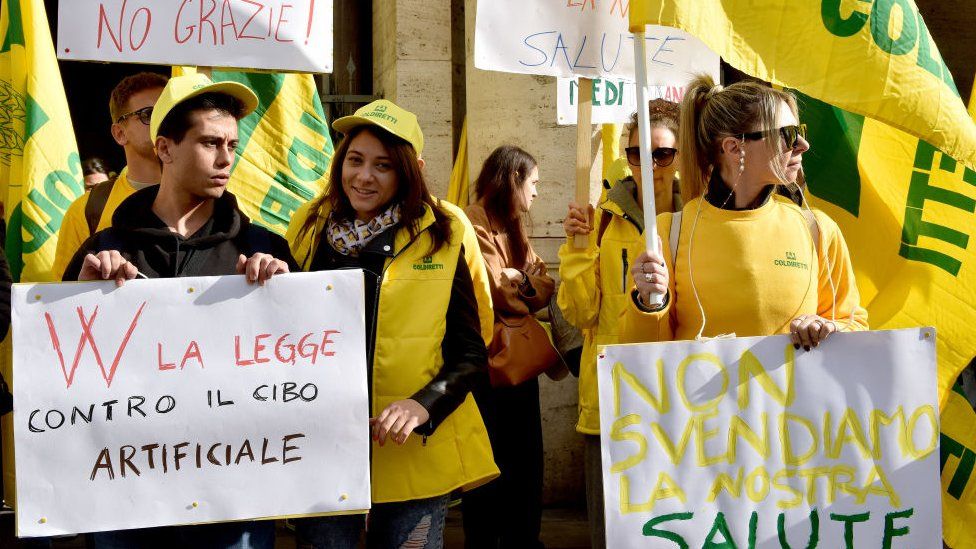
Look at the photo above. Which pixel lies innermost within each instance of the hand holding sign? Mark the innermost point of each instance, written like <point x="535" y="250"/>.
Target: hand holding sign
<point x="107" y="265"/>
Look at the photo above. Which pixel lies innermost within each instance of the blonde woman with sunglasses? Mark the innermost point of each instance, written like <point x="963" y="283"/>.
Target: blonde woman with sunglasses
<point x="744" y="260"/>
<point x="596" y="281"/>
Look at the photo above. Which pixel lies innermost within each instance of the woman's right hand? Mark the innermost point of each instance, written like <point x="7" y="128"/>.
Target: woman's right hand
<point x="650" y="276"/>
<point x="578" y="221"/>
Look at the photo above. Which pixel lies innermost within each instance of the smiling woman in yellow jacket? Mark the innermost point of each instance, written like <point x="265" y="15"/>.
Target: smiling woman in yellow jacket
<point x="377" y="215"/>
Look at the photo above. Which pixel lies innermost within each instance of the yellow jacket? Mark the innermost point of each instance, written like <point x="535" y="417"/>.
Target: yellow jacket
<point x="477" y="268"/>
<point x="754" y="272"/>
<point x="74" y="227"/>
<point x="592" y="295"/>
<point x="409" y="332"/>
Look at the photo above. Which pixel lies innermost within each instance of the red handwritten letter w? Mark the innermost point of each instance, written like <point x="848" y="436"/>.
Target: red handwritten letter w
<point x="87" y="339"/>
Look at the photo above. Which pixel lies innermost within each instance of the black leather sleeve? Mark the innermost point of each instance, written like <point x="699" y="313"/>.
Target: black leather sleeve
<point x="5" y="280"/>
<point x="465" y="356"/>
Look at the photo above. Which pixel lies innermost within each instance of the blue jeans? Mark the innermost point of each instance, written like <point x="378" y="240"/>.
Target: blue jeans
<point x="221" y="535"/>
<point x="416" y="523"/>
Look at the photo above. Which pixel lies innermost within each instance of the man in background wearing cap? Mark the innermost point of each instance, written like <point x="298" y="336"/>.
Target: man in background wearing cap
<point x="130" y="105"/>
<point x="188" y="225"/>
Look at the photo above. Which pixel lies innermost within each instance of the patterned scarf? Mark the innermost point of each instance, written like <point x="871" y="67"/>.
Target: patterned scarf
<point x="350" y="237"/>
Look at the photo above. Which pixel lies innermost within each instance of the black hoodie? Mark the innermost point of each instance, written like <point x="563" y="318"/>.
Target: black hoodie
<point x="145" y="241"/>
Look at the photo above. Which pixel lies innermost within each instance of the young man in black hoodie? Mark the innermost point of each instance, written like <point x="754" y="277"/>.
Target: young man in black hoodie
<point x="188" y="225"/>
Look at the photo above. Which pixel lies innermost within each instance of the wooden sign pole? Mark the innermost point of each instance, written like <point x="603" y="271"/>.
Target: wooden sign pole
<point x="584" y="130"/>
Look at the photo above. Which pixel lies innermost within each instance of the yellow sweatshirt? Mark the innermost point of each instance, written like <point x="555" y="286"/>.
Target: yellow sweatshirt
<point x="754" y="271"/>
<point x="74" y="227"/>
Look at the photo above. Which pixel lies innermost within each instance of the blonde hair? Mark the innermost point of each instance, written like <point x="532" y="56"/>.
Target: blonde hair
<point x="710" y="113"/>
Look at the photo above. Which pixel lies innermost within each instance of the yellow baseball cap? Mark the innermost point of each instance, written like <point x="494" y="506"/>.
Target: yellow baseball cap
<point x="385" y="114"/>
<point x="181" y="88"/>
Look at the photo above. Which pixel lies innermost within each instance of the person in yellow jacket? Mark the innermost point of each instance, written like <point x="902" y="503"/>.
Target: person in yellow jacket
<point x="131" y="105"/>
<point x="595" y="282"/>
<point x="425" y="345"/>
<point x="747" y="261"/>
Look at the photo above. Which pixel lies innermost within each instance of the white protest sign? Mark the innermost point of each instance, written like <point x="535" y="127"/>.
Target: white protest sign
<point x="589" y="39"/>
<point x="614" y="101"/>
<point x="188" y="400"/>
<point x="750" y="443"/>
<point x="288" y="35"/>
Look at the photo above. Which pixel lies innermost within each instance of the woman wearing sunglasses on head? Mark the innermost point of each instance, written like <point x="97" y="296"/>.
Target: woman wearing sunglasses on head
<point x="743" y="260"/>
<point x="596" y="280"/>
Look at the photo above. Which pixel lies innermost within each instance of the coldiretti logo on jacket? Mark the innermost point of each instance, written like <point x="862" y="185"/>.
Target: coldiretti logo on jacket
<point x="790" y="261"/>
<point x="428" y="265"/>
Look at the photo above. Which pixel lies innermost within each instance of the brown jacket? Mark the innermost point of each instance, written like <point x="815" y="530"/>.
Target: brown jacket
<point x="507" y="299"/>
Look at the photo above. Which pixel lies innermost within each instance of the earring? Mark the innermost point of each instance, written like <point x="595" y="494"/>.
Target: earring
<point x="742" y="161"/>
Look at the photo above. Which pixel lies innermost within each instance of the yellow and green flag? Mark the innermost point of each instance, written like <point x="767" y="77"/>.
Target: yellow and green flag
<point x="907" y="212"/>
<point x="40" y="171"/>
<point x="285" y="146"/>
<point x="958" y="449"/>
<point x="872" y="58"/>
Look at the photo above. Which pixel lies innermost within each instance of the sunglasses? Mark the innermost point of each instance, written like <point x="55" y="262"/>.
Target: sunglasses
<point x="791" y="134"/>
<point x="662" y="156"/>
<point x="144" y="114"/>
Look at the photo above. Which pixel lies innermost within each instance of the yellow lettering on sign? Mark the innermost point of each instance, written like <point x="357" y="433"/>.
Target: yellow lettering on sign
<point x="660" y="403"/>
<point x="751" y="369"/>
<point x="617" y="434"/>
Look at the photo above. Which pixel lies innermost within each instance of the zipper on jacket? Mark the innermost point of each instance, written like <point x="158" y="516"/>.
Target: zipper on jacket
<point x="176" y="258"/>
<point x="376" y="314"/>
<point x="623" y="259"/>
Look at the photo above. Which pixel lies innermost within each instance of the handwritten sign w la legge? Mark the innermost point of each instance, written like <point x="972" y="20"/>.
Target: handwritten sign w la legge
<point x="287" y="35"/>
<point x="189" y="400"/>
<point x="750" y="443"/>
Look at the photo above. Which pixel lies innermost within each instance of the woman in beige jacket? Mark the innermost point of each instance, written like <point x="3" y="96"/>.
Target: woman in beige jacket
<point x="508" y="511"/>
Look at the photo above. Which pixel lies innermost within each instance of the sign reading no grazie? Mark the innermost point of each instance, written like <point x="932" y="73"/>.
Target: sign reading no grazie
<point x="288" y="35"/>
<point x="749" y="443"/>
<point x="188" y="400"/>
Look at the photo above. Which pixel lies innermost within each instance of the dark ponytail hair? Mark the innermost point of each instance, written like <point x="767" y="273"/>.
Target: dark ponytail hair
<point x="499" y="188"/>
<point x="411" y="194"/>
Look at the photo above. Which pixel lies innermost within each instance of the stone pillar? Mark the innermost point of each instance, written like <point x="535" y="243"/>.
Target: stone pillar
<point x="412" y="67"/>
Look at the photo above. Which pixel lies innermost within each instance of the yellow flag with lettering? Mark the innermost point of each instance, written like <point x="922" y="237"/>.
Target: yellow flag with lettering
<point x="285" y="147"/>
<point x="875" y="59"/>
<point x="40" y="171"/>
<point x="958" y="448"/>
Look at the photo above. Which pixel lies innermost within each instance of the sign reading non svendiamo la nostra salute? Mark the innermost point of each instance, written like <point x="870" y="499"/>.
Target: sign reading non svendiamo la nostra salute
<point x="750" y="443"/>
<point x="287" y="35"/>
<point x="188" y="400"/>
<point x="588" y="39"/>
